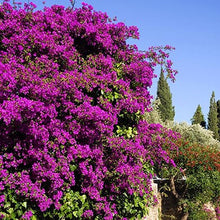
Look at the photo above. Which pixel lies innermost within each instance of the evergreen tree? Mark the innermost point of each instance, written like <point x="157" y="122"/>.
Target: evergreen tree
<point x="218" y="114"/>
<point x="198" y="117"/>
<point x="213" y="117"/>
<point x="164" y="95"/>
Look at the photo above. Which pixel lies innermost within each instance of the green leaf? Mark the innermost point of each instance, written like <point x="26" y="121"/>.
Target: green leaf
<point x="24" y="204"/>
<point x="20" y="212"/>
<point x="83" y="199"/>
<point x="13" y="216"/>
<point x="8" y="204"/>
<point x="34" y="217"/>
<point x="70" y="215"/>
<point x="10" y="210"/>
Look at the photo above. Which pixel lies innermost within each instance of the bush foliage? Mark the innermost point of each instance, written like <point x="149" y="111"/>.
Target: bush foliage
<point x="193" y="133"/>
<point x="197" y="161"/>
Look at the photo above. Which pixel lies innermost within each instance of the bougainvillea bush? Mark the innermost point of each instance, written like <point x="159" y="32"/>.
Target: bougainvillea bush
<point x="73" y="142"/>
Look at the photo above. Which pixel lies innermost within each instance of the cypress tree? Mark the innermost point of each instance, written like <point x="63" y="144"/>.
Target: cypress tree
<point x="198" y="117"/>
<point x="218" y="115"/>
<point x="164" y="95"/>
<point x="213" y="117"/>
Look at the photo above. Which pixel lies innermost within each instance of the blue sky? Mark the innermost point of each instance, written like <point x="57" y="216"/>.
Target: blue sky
<point x="191" y="26"/>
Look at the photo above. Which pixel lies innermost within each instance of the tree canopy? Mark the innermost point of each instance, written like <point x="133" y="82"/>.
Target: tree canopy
<point x="198" y="117"/>
<point x="164" y="95"/>
<point x="218" y="113"/>
<point x="213" y="116"/>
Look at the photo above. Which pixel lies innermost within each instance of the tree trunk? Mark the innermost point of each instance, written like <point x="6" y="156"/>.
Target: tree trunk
<point x="180" y="208"/>
<point x="185" y="216"/>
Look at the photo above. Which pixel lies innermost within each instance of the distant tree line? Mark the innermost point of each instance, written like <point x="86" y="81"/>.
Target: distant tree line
<point x="213" y="117"/>
<point x="167" y="112"/>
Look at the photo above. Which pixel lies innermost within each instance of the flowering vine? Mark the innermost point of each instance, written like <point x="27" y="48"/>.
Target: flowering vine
<point x="72" y="98"/>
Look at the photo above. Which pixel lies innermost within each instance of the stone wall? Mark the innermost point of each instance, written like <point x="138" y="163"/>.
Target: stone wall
<point x="166" y="209"/>
<point x="154" y="212"/>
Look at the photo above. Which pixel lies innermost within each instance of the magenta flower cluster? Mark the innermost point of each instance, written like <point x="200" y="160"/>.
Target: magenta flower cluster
<point x="68" y="80"/>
